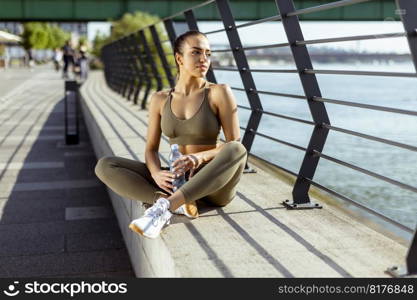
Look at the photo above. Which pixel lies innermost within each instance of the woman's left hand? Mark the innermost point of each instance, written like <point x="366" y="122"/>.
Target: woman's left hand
<point x="185" y="163"/>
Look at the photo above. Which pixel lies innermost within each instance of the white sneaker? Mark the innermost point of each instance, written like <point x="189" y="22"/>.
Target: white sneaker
<point x="188" y="209"/>
<point x="155" y="217"/>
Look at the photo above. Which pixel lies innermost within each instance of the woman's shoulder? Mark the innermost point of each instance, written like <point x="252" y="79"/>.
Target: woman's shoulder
<point x="218" y="91"/>
<point x="162" y="93"/>
<point x="159" y="98"/>
<point x="217" y="86"/>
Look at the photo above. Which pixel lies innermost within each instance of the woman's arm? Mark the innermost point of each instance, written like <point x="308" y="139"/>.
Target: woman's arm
<point x="227" y="110"/>
<point x="154" y="133"/>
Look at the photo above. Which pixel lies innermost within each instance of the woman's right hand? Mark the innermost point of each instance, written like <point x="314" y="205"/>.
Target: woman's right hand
<point x="164" y="179"/>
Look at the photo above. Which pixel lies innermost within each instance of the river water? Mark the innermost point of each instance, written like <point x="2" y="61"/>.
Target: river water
<point x="387" y="160"/>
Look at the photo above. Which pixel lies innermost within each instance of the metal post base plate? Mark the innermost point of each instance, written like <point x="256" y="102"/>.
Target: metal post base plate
<point x="399" y="272"/>
<point x="291" y="205"/>
<point x="249" y="170"/>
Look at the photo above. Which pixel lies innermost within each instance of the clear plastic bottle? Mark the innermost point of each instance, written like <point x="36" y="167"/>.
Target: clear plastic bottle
<point x="173" y="156"/>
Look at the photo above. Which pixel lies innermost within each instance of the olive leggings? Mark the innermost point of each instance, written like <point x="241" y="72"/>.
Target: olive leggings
<point x="214" y="182"/>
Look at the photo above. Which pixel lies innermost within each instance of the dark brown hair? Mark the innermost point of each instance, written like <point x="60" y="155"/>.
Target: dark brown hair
<point x="179" y="43"/>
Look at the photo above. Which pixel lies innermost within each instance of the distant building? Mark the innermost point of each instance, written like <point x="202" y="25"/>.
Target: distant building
<point x="76" y="28"/>
<point x="12" y="27"/>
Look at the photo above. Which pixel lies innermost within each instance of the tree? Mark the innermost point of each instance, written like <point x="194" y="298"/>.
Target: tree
<point x="131" y="23"/>
<point x="99" y="41"/>
<point x="37" y="35"/>
<point x="57" y="36"/>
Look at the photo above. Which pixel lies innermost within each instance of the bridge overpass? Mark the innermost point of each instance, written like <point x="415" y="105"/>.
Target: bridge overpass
<point x="102" y="10"/>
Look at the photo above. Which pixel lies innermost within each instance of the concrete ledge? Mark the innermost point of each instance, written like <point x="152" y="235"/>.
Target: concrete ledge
<point x="253" y="236"/>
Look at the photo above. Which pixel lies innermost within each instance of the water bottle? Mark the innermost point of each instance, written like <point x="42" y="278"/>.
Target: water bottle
<point x="173" y="156"/>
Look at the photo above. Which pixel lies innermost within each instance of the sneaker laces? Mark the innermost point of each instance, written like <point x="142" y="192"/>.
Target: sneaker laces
<point x="156" y="211"/>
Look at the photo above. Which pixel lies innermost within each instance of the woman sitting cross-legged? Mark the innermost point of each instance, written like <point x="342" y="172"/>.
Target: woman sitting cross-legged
<point x="191" y="115"/>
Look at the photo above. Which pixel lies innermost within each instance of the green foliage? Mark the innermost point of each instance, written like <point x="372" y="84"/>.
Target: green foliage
<point x="57" y="37"/>
<point x="2" y="49"/>
<point x="34" y="36"/>
<point x="130" y="23"/>
<point x="99" y="40"/>
<point x="82" y="41"/>
<point x="39" y="35"/>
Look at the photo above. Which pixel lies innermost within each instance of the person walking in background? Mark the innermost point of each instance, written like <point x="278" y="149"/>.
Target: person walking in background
<point x="68" y="55"/>
<point x="83" y="62"/>
<point x="31" y="62"/>
<point x="57" y="59"/>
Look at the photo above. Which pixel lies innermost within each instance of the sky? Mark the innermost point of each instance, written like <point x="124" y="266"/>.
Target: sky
<point x="261" y="34"/>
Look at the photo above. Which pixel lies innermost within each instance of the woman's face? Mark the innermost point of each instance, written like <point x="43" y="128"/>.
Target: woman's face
<point x="195" y="59"/>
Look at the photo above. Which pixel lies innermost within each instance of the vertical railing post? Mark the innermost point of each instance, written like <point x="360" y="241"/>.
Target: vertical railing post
<point x="126" y="66"/>
<point x="133" y="76"/>
<point x="119" y="68"/>
<point x="408" y="14"/>
<point x="169" y="28"/>
<point x="150" y="60"/>
<point x="246" y="76"/>
<point x="410" y="268"/>
<point x="162" y="56"/>
<point x="317" y="109"/>
<point x="145" y="72"/>
<point x="139" y="68"/>
<point x="136" y="76"/>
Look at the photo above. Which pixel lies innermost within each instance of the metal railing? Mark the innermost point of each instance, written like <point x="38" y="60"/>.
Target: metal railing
<point x="130" y="65"/>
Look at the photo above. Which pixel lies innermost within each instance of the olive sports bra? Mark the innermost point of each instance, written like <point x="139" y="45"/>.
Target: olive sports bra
<point x="203" y="128"/>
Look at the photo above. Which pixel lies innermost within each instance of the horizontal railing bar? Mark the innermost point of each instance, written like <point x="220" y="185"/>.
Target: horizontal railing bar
<point x="221" y="50"/>
<point x="272" y="93"/>
<point x="277" y="140"/>
<point x="274" y="164"/>
<point x="344" y="198"/>
<point x="367" y="106"/>
<point x="324" y="7"/>
<point x="267" y="46"/>
<point x="273" y="18"/>
<point x="275" y="70"/>
<point x="370" y="173"/>
<point x="225" y="69"/>
<point x="191" y="8"/>
<point x="257" y="70"/>
<point x="254" y="47"/>
<point x="273" y="139"/>
<point x="352" y="38"/>
<point x="286" y="117"/>
<point x="214" y="31"/>
<point x="371" y="73"/>
<point x="357" y="204"/>
<point x="370" y="137"/>
<point x="244" y="107"/>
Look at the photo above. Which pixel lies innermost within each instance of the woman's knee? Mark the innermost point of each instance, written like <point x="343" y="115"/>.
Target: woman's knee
<point x="222" y="201"/>
<point x="236" y="147"/>
<point x="103" y="164"/>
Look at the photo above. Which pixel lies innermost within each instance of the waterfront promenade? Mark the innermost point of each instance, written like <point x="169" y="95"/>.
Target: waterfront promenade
<point x="253" y="236"/>
<point x="56" y="218"/>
